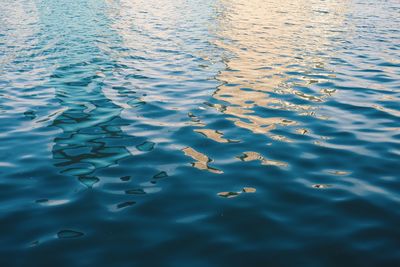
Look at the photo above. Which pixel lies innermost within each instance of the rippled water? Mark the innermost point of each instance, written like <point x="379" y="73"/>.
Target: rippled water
<point x="199" y="133"/>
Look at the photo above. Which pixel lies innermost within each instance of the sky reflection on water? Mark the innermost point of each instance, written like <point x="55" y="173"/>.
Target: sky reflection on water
<point x="208" y="133"/>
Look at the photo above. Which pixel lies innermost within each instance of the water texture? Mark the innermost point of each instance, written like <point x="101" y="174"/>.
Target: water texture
<point x="199" y="133"/>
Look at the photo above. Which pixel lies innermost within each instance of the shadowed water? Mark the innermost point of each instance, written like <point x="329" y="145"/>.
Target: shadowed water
<point x="201" y="133"/>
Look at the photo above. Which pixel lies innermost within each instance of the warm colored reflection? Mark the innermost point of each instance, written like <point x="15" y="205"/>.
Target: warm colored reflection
<point x="274" y="59"/>
<point x="202" y="160"/>
<point x="254" y="156"/>
<point x="215" y="135"/>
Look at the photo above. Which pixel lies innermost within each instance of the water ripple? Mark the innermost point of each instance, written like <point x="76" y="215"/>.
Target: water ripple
<point x="207" y="133"/>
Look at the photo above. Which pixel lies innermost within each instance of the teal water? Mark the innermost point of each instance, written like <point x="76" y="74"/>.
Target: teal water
<point x="199" y="133"/>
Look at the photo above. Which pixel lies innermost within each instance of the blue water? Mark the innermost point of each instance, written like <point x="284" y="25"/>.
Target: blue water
<point x="199" y="133"/>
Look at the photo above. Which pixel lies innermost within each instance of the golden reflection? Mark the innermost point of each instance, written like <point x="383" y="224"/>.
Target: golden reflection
<point x="249" y="190"/>
<point x="214" y="135"/>
<point x="202" y="160"/>
<point x="254" y="156"/>
<point x="302" y="131"/>
<point x="274" y="49"/>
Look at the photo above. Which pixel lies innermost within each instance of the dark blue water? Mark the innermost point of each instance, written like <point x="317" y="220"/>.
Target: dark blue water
<point x="199" y="133"/>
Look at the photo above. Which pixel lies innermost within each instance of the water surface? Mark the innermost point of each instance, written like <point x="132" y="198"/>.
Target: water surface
<point x="201" y="133"/>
